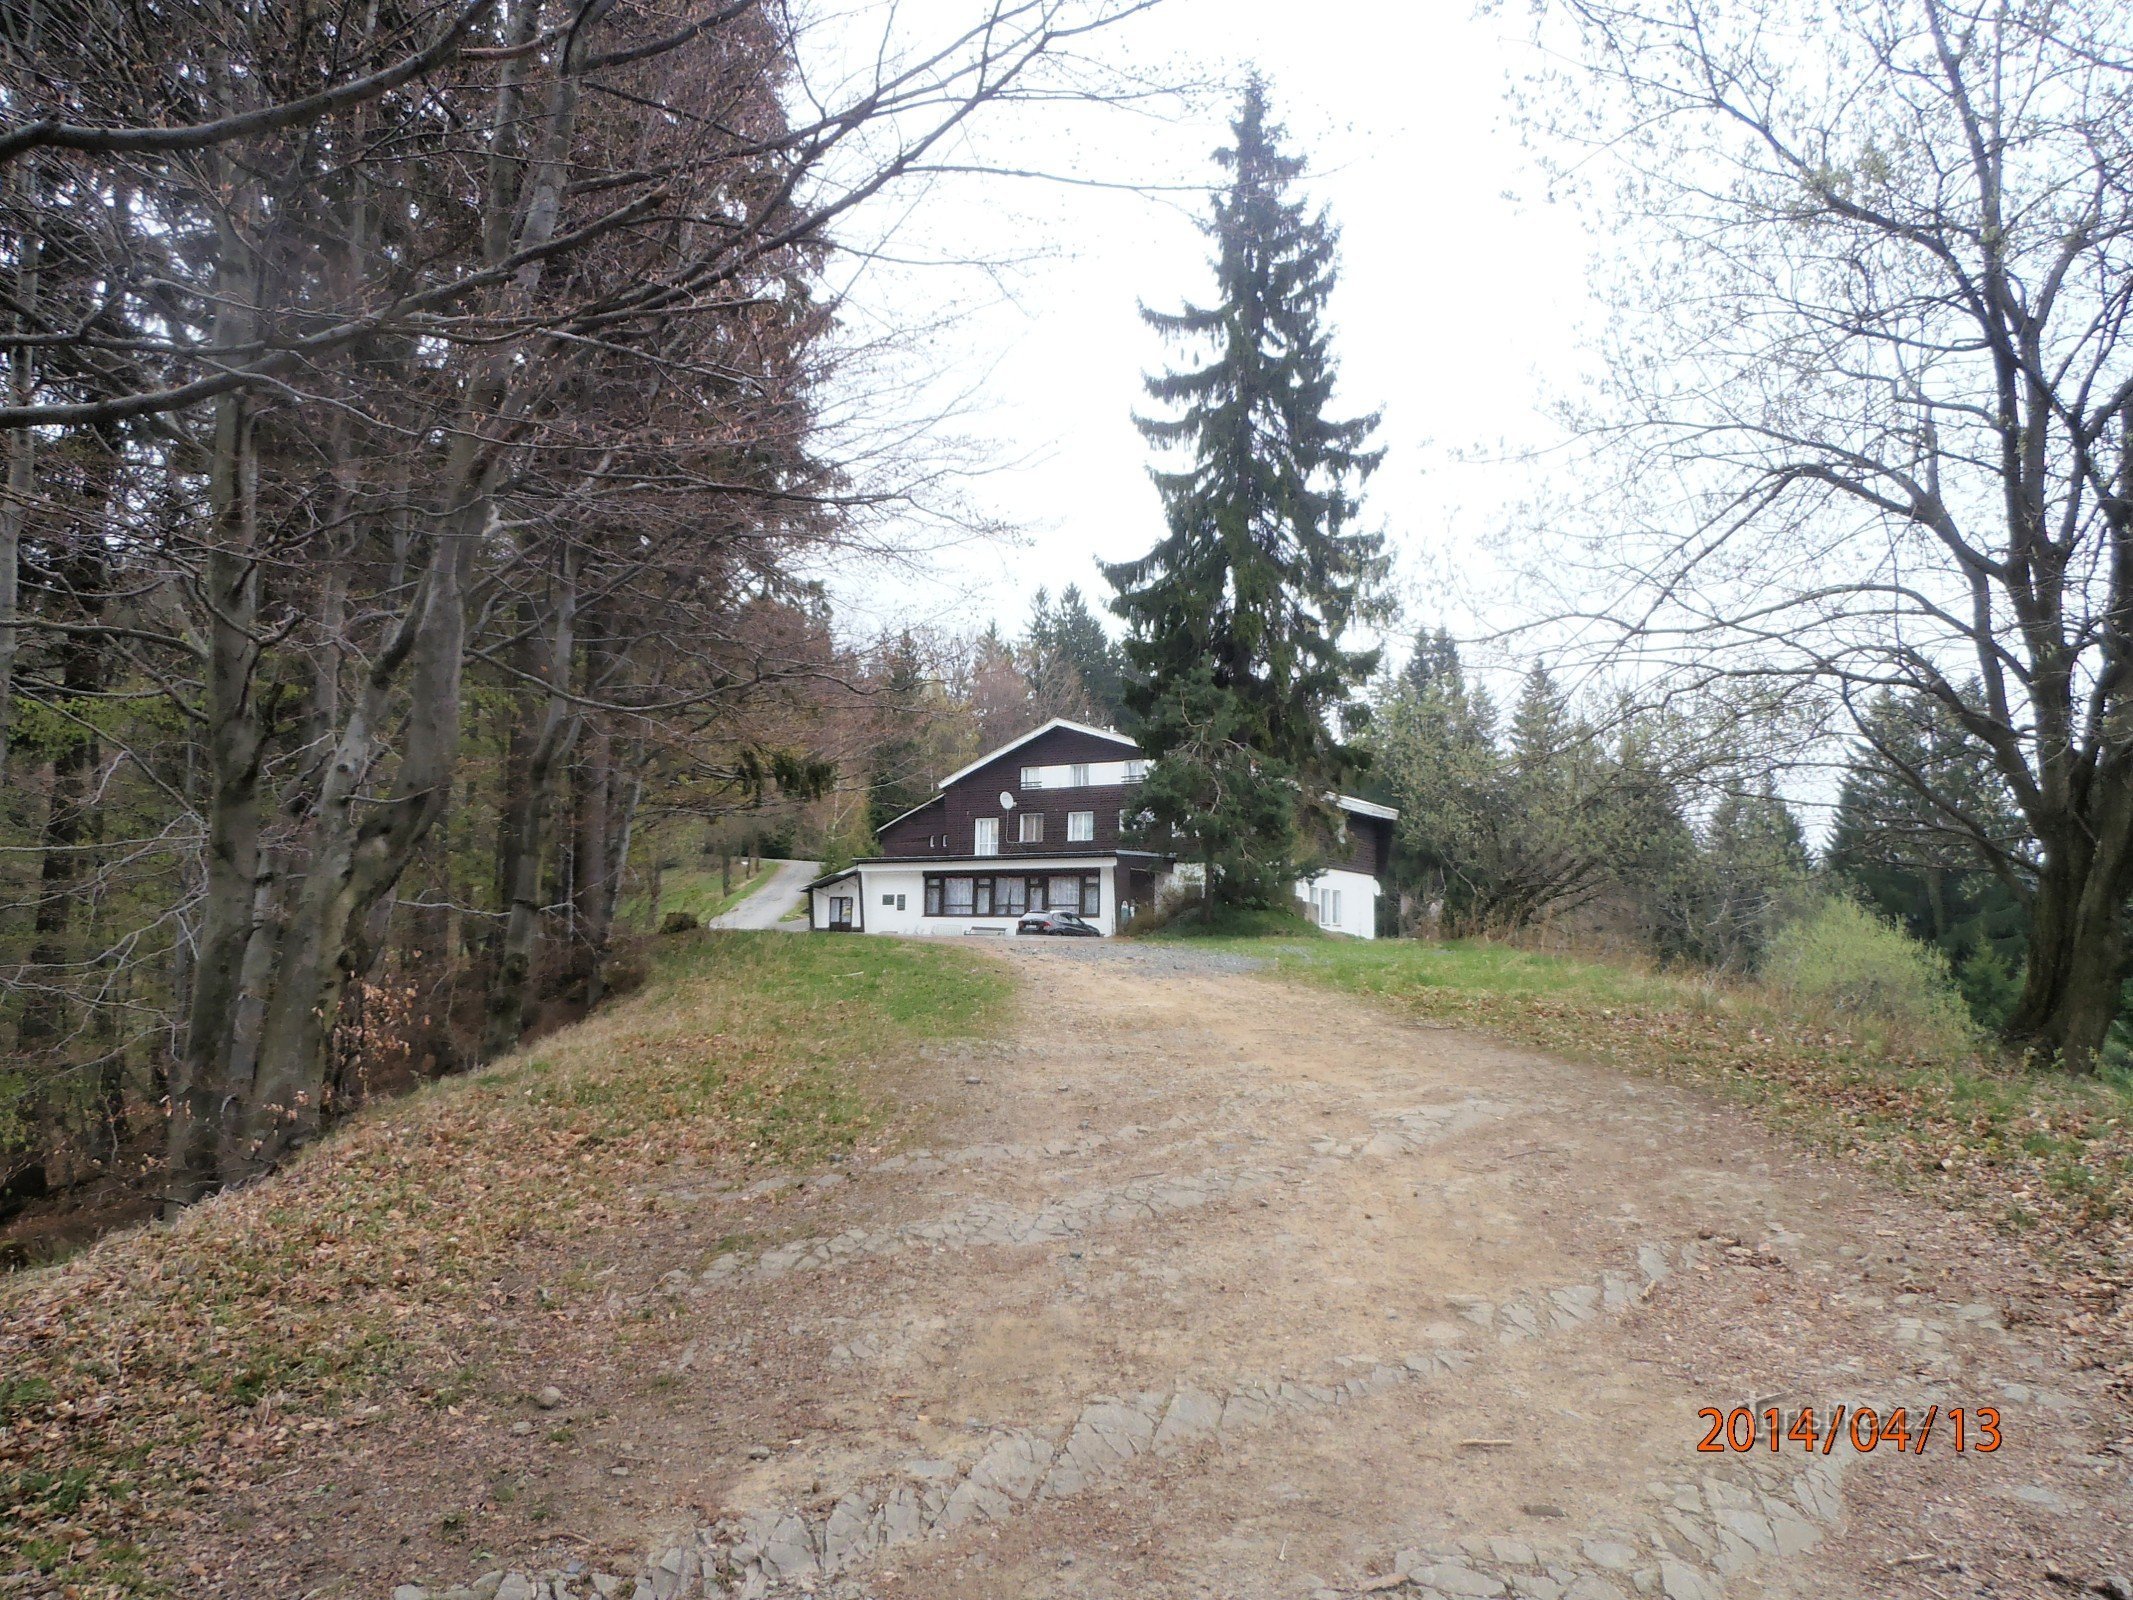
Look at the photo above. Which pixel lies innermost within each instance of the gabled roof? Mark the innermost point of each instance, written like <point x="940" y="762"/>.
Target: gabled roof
<point x="931" y="800"/>
<point x="1015" y="744"/>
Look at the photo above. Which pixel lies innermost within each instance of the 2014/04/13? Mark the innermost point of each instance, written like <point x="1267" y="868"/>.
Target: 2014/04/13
<point x="1741" y="1429"/>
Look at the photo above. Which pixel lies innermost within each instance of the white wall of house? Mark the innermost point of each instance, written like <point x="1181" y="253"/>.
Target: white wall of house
<point x="884" y="887"/>
<point x="886" y="883"/>
<point x="1342" y="902"/>
<point x="1354" y="912"/>
<point x="820" y="901"/>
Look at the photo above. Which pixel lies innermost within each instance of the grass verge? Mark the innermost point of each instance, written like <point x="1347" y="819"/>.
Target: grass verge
<point x="697" y="891"/>
<point x="2037" y="1154"/>
<point x="199" y="1353"/>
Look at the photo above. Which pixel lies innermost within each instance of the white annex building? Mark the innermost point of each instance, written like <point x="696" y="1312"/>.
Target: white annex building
<point x="1037" y="825"/>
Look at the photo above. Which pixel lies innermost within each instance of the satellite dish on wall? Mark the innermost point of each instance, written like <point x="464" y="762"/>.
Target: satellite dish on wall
<point x="1007" y="801"/>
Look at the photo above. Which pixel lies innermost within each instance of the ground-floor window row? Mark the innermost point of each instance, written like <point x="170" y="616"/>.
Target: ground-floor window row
<point x="953" y="895"/>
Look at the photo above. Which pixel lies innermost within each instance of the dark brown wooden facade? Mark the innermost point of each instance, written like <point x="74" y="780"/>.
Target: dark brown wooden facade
<point x="1367" y="848"/>
<point x="947" y="825"/>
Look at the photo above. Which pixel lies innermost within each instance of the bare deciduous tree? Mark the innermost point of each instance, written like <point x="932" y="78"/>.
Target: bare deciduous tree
<point x="1870" y="397"/>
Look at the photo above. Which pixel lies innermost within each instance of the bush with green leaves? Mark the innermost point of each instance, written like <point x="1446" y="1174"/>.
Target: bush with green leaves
<point x="1841" y="964"/>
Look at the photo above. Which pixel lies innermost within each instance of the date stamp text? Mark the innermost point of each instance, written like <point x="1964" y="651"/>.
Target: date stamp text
<point x="1862" y="1428"/>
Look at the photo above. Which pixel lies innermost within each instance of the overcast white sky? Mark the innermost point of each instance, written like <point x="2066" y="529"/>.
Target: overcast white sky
<point x="1459" y="314"/>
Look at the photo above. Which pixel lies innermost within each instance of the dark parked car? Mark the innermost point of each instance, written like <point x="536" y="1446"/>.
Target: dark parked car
<point x="1063" y="923"/>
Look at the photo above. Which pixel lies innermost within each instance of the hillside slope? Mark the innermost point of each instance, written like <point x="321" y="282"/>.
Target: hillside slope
<point x="438" y="1257"/>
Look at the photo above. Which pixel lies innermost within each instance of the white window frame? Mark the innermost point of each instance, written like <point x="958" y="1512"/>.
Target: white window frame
<point x="1033" y="777"/>
<point x="1029" y="827"/>
<point x="985" y="837"/>
<point x="1081" y="827"/>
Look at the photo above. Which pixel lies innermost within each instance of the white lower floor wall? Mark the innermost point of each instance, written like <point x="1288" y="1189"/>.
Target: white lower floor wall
<point x="1342" y="902"/>
<point x="892" y="899"/>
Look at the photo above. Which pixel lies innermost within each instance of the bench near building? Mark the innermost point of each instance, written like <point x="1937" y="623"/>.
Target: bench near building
<point x="1038" y="825"/>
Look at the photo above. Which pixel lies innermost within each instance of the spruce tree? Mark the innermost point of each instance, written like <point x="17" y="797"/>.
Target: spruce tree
<point x="1235" y="619"/>
<point x="1081" y="640"/>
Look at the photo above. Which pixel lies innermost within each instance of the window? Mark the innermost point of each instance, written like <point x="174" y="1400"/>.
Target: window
<point x="987" y="842"/>
<point x="1069" y="891"/>
<point x="899" y="902"/>
<point x="1336" y="908"/>
<point x="888" y="899"/>
<point x="1031" y="824"/>
<point x="983" y="897"/>
<point x="1081" y="826"/>
<point x="1083" y="774"/>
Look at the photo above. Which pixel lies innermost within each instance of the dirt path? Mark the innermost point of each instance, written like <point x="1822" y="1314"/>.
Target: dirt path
<point x="1212" y="1286"/>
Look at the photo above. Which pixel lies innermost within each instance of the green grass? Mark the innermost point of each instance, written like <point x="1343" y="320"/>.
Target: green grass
<point x="364" y="1273"/>
<point x="696" y="890"/>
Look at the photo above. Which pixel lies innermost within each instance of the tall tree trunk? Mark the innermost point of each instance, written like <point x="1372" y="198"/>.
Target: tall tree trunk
<point x="2077" y="938"/>
<point x="537" y="746"/>
<point x="67" y="829"/>
<point x="203" y="1095"/>
<point x="21" y="455"/>
<point x="589" y="901"/>
<point x="357" y="859"/>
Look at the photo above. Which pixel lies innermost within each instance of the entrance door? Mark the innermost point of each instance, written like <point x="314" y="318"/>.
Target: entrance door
<point x="987" y="842"/>
<point x="840" y="913"/>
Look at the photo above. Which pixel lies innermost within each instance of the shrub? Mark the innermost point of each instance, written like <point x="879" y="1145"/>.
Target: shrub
<point x="1840" y="964"/>
<point x="1188" y="917"/>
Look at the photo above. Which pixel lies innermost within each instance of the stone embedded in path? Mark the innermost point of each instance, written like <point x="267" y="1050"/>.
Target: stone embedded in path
<point x="774" y="1548"/>
<point x="995" y="1222"/>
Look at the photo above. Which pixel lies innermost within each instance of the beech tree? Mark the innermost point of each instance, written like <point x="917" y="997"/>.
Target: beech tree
<point x="1871" y="408"/>
<point x="411" y="460"/>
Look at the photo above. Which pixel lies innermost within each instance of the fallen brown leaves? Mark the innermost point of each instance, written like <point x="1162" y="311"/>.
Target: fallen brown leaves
<point x="192" y="1357"/>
